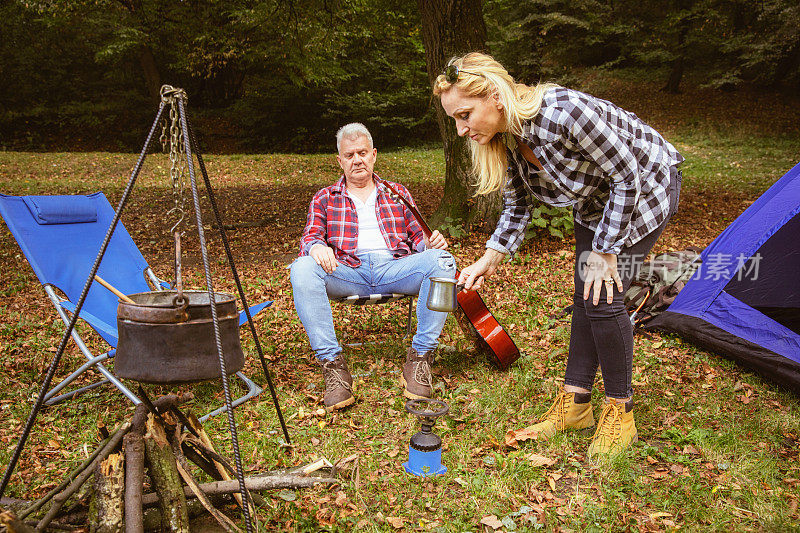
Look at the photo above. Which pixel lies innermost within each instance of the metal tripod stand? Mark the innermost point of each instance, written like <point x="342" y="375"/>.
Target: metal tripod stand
<point x="175" y="99"/>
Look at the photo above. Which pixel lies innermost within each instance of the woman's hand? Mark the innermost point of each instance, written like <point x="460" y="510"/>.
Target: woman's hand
<point x="436" y="241"/>
<point x="601" y="270"/>
<point x="472" y="276"/>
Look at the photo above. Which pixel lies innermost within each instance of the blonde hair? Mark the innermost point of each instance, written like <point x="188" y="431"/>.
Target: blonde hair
<point x="480" y="75"/>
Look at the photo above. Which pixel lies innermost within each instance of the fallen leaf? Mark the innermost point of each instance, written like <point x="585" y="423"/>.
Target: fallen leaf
<point x="396" y="521"/>
<point x="491" y="521"/>
<point x="539" y="460"/>
<point x="514" y="437"/>
<point x="341" y="497"/>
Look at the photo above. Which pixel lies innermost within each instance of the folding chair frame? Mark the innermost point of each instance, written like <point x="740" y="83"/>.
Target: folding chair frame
<point x="378" y="299"/>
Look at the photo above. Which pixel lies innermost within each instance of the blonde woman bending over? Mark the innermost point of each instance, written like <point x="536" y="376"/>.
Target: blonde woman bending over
<point x="620" y="177"/>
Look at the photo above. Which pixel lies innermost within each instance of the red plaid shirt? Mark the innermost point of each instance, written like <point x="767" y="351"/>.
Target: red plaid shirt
<point x="332" y="221"/>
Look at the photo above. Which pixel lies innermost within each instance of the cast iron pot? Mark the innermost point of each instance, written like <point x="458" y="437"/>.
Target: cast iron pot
<point x="162" y="341"/>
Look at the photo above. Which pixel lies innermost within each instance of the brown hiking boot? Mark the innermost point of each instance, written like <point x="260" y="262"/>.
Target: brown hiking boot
<point x="338" y="384"/>
<point x="416" y="376"/>
<point x="570" y="410"/>
<point x="615" y="431"/>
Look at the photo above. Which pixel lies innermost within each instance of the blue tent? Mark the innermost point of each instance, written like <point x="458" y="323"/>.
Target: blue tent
<point x="744" y="300"/>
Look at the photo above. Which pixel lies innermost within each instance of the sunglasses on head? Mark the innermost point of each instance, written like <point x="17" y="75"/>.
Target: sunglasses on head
<point x="451" y="73"/>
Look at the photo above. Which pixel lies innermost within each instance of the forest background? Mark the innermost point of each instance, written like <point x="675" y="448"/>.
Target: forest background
<point x="281" y="75"/>
<point x="718" y="445"/>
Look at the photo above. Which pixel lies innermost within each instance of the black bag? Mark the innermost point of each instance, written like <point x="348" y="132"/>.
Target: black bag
<point x="658" y="283"/>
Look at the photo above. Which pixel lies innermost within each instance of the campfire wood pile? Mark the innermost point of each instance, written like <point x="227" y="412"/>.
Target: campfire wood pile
<point x="153" y="450"/>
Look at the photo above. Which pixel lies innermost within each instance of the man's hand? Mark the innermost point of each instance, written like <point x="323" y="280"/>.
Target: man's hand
<point x="436" y="241"/>
<point x="472" y="276"/>
<point x="324" y="257"/>
<point x="601" y="271"/>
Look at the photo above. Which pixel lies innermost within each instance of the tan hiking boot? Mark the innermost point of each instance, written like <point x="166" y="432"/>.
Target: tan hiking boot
<point x="616" y="429"/>
<point x="570" y="410"/>
<point x="416" y="376"/>
<point x="338" y="384"/>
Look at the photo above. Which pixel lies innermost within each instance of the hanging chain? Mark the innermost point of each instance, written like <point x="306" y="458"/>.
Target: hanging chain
<point x="172" y="142"/>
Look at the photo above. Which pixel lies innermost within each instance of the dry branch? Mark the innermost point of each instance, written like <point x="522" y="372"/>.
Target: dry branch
<point x="250" y="483"/>
<point x="15" y="505"/>
<point x="206" y="441"/>
<point x="152" y="516"/>
<point x="223" y="520"/>
<point x="109" y="479"/>
<point x="134" y="479"/>
<point x="165" y="477"/>
<point x="196" y="456"/>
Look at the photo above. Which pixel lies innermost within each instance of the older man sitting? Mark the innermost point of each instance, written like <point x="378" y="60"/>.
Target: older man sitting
<point x="360" y="240"/>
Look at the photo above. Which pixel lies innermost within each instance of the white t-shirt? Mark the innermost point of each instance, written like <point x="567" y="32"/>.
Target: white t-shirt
<point x="370" y="238"/>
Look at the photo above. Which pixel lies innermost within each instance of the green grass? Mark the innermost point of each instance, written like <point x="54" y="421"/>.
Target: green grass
<point x="705" y="460"/>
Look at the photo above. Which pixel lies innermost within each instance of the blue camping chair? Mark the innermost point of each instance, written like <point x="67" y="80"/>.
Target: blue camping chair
<point x="60" y="237"/>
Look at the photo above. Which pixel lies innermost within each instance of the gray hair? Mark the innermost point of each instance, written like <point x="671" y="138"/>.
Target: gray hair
<point x="351" y="131"/>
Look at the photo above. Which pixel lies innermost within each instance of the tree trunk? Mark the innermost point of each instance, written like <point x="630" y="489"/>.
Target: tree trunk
<point x="673" y="85"/>
<point x="451" y="28"/>
<point x="152" y="77"/>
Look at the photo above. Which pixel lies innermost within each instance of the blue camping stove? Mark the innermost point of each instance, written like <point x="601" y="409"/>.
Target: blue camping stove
<point x="425" y="448"/>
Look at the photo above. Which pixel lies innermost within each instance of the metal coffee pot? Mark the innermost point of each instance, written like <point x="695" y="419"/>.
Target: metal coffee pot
<point x="442" y="295"/>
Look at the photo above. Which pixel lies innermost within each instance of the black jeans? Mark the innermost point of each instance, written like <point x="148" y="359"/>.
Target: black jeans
<point x="602" y="334"/>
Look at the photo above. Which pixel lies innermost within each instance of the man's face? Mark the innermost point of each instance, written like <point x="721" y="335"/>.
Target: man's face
<point x="357" y="160"/>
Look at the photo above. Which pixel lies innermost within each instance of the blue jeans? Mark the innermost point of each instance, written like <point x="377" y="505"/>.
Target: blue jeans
<point x="379" y="273"/>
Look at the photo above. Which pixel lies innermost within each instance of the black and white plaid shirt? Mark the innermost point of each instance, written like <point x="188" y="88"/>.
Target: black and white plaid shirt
<point x="611" y="167"/>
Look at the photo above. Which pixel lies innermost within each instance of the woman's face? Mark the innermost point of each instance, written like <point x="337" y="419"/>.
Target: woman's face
<point x="480" y="118"/>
